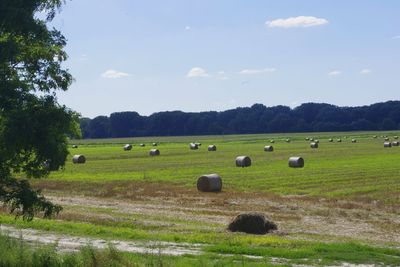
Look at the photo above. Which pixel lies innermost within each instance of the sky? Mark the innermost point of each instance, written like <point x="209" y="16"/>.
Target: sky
<point x="150" y="56"/>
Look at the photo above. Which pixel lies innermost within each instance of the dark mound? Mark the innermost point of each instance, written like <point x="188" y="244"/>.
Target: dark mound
<point x="252" y="223"/>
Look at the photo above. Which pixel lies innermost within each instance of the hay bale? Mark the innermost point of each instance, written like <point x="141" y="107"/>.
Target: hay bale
<point x="374" y="136"/>
<point x="395" y="137"/>
<point x="339" y="140"/>
<point x="252" y="223"/>
<point x="78" y="159"/>
<point x="312" y="139"/>
<point x="330" y="140"/>
<point x="296" y="162"/>
<point x="287" y="140"/>
<point x="74" y="146"/>
<point x="272" y="141"/>
<point x="193" y="146"/>
<point x="127" y="147"/>
<point x="395" y="143"/>
<point x="316" y="141"/>
<point x="154" y="152"/>
<point x="243" y="161"/>
<point x="386" y="139"/>
<point x="154" y="144"/>
<point x="354" y="140"/>
<point x="307" y="139"/>
<point x="268" y="148"/>
<point x="387" y="144"/>
<point x="314" y="145"/>
<point x="212" y="148"/>
<point x="209" y="183"/>
<point x="142" y="145"/>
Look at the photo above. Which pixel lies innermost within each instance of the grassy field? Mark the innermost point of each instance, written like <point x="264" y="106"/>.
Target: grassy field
<point x="361" y="170"/>
<point x="343" y="206"/>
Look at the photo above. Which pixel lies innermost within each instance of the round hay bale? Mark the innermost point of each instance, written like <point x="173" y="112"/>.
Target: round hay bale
<point x="272" y="141"/>
<point x="212" y="148"/>
<point x="252" y="223"/>
<point x="386" y="139"/>
<point x="307" y="138"/>
<point x="395" y="143"/>
<point x="209" y="183"/>
<point x="74" y="146"/>
<point x="193" y="146"/>
<point x="78" y="159"/>
<point x="296" y="162"/>
<point x="268" y="148"/>
<point x="330" y="140"/>
<point x="243" y="161"/>
<point x="339" y="140"/>
<point x="154" y="144"/>
<point x="287" y="140"/>
<point x="354" y="140"/>
<point x="387" y="144"/>
<point x="316" y="141"/>
<point x="142" y="145"/>
<point x="154" y="152"/>
<point x="395" y="137"/>
<point x="312" y="139"/>
<point x="127" y="147"/>
<point x="314" y="145"/>
<point x="374" y="136"/>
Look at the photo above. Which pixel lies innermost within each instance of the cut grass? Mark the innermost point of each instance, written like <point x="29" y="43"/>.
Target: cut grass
<point x="358" y="175"/>
<point x="335" y="170"/>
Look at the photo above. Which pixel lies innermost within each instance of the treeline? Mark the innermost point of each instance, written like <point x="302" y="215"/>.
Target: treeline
<point x="258" y="118"/>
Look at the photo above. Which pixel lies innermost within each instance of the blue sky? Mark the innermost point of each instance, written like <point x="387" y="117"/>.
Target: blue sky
<point x="150" y="56"/>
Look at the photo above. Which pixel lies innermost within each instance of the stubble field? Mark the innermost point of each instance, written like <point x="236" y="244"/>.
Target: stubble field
<point x="342" y="207"/>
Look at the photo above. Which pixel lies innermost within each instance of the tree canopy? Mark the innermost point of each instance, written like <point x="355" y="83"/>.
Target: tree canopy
<point x="34" y="127"/>
<point x="308" y="117"/>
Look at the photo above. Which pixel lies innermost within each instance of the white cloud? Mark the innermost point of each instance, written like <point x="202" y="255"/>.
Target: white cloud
<point x="256" y="71"/>
<point x="113" y="74"/>
<point x="334" y="73"/>
<point x="301" y="21"/>
<point x="187" y="28"/>
<point x="365" y="71"/>
<point x="197" y="72"/>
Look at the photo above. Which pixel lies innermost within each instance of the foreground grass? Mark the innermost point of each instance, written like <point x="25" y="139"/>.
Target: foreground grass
<point x="16" y="253"/>
<point x="267" y="246"/>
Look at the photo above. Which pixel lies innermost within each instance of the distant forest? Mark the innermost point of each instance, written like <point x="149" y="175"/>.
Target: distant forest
<point x="309" y="117"/>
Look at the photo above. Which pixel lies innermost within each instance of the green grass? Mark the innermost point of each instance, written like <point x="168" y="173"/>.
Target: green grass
<point x="16" y="253"/>
<point x="364" y="172"/>
<point x="340" y="170"/>
<point x="218" y="244"/>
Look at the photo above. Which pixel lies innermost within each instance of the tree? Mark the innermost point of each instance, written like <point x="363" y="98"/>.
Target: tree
<point x="34" y="127"/>
<point x="100" y="127"/>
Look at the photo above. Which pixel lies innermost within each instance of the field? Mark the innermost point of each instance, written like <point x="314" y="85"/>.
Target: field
<point x="342" y="207"/>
